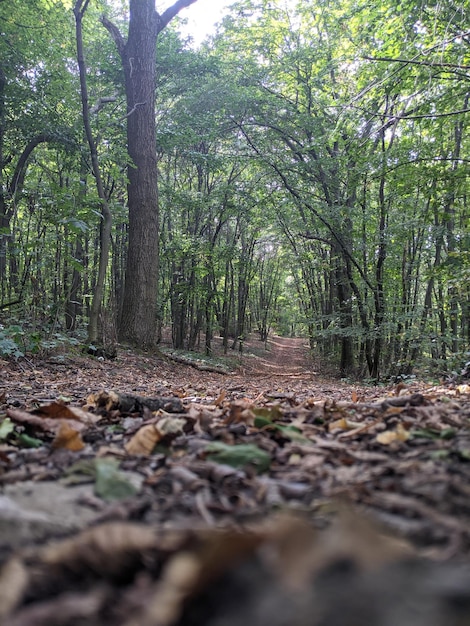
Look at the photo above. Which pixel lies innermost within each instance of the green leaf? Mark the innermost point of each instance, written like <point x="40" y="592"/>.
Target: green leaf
<point x="438" y="455"/>
<point x="290" y="432"/>
<point x="464" y="454"/>
<point x="262" y="422"/>
<point x="26" y="441"/>
<point x="448" y="433"/>
<point x="110" y="483"/>
<point x="239" y="455"/>
<point x="6" y="428"/>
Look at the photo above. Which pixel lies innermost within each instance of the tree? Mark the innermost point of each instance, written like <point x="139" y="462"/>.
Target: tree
<point x="138" y="320"/>
<point x="105" y="226"/>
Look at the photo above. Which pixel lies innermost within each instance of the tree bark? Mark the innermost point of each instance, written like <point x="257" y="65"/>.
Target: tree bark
<point x="138" y="320"/>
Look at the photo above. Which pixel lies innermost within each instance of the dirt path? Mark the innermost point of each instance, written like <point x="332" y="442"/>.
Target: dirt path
<point x="284" y="356"/>
<point x="284" y="365"/>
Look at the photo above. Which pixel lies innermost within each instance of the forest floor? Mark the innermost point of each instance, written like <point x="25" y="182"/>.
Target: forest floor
<point x="145" y="491"/>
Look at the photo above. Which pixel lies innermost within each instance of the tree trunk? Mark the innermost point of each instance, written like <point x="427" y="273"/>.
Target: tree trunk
<point x="106" y="223"/>
<point x="139" y="314"/>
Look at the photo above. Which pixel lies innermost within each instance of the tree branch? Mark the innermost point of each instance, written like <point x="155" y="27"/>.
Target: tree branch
<point x="17" y="180"/>
<point x="115" y="33"/>
<point x="96" y="108"/>
<point x="171" y="12"/>
<point x="419" y="117"/>
<point x="413" y="62"/>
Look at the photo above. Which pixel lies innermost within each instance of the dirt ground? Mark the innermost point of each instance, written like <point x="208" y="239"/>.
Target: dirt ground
<point x="144" y="490"/>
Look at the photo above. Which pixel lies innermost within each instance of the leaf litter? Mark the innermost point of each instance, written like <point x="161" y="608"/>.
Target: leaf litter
<point x="204" y="498"/>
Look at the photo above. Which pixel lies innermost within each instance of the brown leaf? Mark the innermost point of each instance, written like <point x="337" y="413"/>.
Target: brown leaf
<point x="188" y="572"/>
<point x="343" y="424"/>
<point x="144" y="440"/>
<point x="240" y="412"/>
<point x="220" y="398"/>
<point x="390" y="436"/>
<point x="57" y="410"/>
<point x="50" y="417"/>
<point x="68" y="437"/>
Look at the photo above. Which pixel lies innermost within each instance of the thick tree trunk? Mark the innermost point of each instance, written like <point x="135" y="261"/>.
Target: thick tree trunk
<point x="138" y="321"/>
<point x="139" y="314"/>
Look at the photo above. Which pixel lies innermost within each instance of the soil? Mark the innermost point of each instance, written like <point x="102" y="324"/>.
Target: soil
<point x="117" y="478"/>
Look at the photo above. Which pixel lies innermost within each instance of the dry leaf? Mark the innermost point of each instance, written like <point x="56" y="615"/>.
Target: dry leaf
<point x="389" y="436"/>
<point x="343" y="424"/>
<point x="171" y="426"/>
<point x="57" y="410"/>
<point x="144" y="440"/>
<point x="220" y="398"/>
<point x="240" y="412"/>
<point x="68" y="437"/>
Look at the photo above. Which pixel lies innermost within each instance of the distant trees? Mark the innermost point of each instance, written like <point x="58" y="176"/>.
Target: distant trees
<point x="355" y="154"/>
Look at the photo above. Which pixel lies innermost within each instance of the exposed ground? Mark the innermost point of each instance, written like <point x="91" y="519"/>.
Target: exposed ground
<point x="112" y="504"/>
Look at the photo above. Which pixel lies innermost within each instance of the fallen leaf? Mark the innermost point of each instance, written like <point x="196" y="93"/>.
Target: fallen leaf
<point x="240" y="412"/>
<point x="270" y="413"/>
<point x="6" y="428"/>
<point x="389" y="436"/>
<point x="110" y="550"/>
<point x="25" y="441"/>
<point x="144" y="440"/>
<point x="239" y="455"/>
<point x="68" y="438"/>
<point x="110" y="483"/>
<point x="168" y="426"/>
<point x="343" y="424"/>
<point x="220" y="398"/>
<point x="14" y="580"/>
<point x="57" y="410"/>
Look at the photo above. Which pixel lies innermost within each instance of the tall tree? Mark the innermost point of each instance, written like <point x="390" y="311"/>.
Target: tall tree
<point x="105" y="226"/>
<point x="138" y="321"/>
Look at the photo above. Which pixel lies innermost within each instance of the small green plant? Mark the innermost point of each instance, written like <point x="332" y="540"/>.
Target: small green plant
<point x="16" y="341"/>
<point x="9" y="345"/>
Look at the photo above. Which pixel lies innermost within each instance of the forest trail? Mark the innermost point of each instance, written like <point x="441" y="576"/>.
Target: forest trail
<point x="283" y="356"/>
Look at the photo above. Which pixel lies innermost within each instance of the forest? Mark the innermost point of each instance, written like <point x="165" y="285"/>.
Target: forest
<point x="234" y="314"/>
<point x="303" y="171"/>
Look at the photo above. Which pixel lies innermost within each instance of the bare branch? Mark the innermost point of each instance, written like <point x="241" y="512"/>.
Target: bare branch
<point x="133" y="110"/>
<point x="96" y="108"/>
<point x="171" y="12"/>
<point x="115" y="33"/>
<point x="430" y="116"/>
<point x="414" y="62"/>
<point x="17" y="179"/>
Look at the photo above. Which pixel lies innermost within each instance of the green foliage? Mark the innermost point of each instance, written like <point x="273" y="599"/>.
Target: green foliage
<point x="16" y="341"/>
<point x="10" y="341"/>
